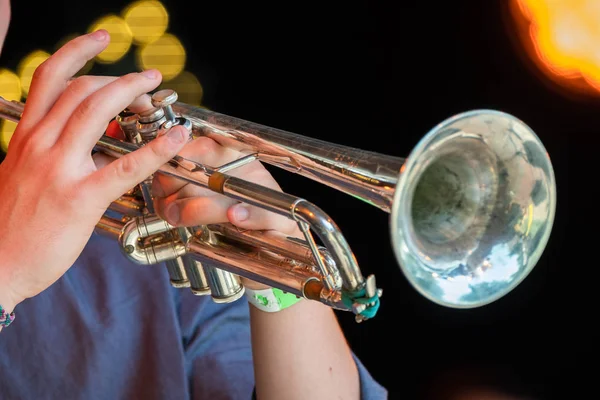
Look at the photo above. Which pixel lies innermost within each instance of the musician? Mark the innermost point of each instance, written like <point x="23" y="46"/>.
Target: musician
<point x="90" y="324"/>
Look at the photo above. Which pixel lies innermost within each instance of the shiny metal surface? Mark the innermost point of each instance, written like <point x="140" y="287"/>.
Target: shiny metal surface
<point x="163" y="99"/>
<point x="177" y="272"/>
<point x="282" y="203"/>
<point x="471" y="210"/>
<point x="366" y="175"/>
<point x="474" y="209"/>
<point x="10" y="110"/>
<point x="224" y="286"/>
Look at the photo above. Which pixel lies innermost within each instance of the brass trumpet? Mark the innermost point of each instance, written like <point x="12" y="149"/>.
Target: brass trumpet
<point x="471" y="209"/>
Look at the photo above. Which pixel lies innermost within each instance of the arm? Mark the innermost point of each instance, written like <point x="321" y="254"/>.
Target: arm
<point x="299" y="352"/>
<point x="220" y="341"/>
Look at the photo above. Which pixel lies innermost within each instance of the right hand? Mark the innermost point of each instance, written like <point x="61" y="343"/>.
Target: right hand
<point x="52" y="194"/>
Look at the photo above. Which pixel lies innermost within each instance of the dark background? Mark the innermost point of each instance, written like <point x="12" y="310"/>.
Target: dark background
<point x="378" y="76"/>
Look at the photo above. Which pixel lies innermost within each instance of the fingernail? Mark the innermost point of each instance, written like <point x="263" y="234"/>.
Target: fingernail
<point x="172" y="214"/>
<point x="241" y="212"/>
<point x="177" y="135"/>
<point x="99" y="35"/>
<point x="150" y="74"/>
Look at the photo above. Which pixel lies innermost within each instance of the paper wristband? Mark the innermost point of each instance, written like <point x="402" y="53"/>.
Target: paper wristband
<point x="271" y="299"/>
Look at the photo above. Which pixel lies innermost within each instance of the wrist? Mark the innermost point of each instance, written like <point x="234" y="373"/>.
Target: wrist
<point x="270" y="300"/>
<point x="8" y="300"/>
<point x="7" y="306"/>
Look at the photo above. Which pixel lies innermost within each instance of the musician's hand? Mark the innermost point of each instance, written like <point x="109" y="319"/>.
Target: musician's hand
<point x="183" y="204"/>
<point x="52" y="193"/>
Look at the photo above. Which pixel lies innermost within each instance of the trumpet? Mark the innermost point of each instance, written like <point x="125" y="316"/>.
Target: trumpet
<point x="471" y="209"/>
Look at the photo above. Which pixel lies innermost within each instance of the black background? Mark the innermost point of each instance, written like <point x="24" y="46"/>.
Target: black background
<point x="378" y="76"/>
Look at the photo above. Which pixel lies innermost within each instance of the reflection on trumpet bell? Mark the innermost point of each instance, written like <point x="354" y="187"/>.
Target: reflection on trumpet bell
<point x="471" y="209"/>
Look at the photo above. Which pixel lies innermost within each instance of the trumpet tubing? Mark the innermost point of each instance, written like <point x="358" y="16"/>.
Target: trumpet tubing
<point x="471" y="209"/>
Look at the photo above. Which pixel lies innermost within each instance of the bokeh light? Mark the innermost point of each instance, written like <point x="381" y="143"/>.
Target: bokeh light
<point x="188" y="88"/>
<point x="7" y="128"/>
<point x="28" y="66"/>
<point x="10" y="85"/>
<point x="561" y="37"/>
<point x="147" y="20"/>
<point x="141" y="27"/>
<point x="166" y="54"/>
<point x="121" y="38"/>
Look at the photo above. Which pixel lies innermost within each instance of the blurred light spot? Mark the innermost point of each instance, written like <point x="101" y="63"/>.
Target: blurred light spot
<point x="188" y="88"/>
<point x="165" y="54"/>
<point x="563" y="37"/>
<point x="7" y="128"/>
<point x="148" y="20"/>
<point x="120" y="38"/>
<point x="27" y="67"/>
<point x="10" y="85"/>
<point x="88" y="66"/>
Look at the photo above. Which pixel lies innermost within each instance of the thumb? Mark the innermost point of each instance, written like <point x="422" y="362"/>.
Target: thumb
<point x="116" y="178"/>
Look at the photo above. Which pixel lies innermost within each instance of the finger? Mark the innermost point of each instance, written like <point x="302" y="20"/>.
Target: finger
<point x="139" y="105"/>
<point x="255" y="218"/>
<point x="51" y="77"/>
<point x="110" y="182"/>
<point x="219" y="209"/>
<point x="194" y="211"/>
<point x="77" y="90"/>
<point x="83" y="129"/>
<point x="203" y="150"/>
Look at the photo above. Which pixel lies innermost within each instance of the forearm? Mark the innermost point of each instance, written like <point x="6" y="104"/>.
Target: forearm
<point x="301" y="353"/>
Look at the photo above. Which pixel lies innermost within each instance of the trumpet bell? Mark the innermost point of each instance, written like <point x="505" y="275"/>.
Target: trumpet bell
<point x="473" y="209"/>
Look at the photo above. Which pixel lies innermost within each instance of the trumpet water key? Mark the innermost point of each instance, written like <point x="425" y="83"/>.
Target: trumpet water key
<point x="471" y="209"/>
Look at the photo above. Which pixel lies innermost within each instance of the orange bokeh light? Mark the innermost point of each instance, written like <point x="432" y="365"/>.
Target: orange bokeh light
<point x="563" y="38"/>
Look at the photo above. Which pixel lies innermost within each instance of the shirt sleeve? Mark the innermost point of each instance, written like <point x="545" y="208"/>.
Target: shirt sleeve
<point x="218" y="353"/>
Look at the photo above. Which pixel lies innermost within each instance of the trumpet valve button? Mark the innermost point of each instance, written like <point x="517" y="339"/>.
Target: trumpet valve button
<point x="164" y="99"/>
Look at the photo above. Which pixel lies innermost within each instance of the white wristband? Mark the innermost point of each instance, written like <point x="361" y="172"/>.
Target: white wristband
<point x="271" y="299"/>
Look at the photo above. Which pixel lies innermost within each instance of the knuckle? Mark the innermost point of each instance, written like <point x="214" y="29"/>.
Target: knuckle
<point x="85" y="108"/>
<point x="42" y="70"/>
<point x="85" y="82"/>
<point x="158" y="151"/>
<point x="80" y="85"/>
<point x="127" y="166"/>
<point x="28" y="147"/>
<point x="130" y="79"/>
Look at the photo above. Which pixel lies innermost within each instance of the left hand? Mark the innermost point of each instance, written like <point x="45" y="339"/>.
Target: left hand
<point x="183" y="204"/>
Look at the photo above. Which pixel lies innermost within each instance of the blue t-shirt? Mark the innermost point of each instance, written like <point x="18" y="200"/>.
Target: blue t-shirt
<point x="111" y="329"/>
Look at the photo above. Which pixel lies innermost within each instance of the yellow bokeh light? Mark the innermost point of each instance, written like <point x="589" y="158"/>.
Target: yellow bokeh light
<point x="121" y="38"/>
<point x="28" y="66"/>
<point x="7" y="128"/>
<point x="188" y="88"/>
<point x="10" y="85"/>
<point x="166" y="54"/>
<point x="148" y="20"/>
<point x="88" y="66"/>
